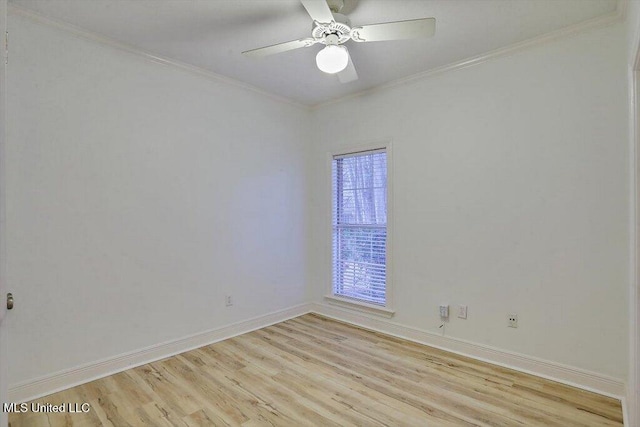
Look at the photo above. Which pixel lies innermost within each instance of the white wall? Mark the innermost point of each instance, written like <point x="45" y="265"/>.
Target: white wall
<point x="138" y="195"/>
<point x="633" y="45"/>
<point x="510" y="196"/>
<point x="4" y="368"/>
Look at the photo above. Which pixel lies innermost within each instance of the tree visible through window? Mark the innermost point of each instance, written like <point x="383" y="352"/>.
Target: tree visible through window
<point x="360" y="226"/>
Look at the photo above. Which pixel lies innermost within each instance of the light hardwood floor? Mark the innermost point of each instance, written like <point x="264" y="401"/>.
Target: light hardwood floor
<point x="315" y="371"/>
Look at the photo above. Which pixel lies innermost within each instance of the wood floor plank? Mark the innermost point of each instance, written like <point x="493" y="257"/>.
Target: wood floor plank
<point x="398" y="388"/>
<point x="312" y="371"/>
<point x="310" y="381"/>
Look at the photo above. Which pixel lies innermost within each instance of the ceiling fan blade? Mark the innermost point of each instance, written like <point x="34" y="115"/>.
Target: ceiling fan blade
<point x="278" y="48"/>
<point x="400" y="30"/>
<point x="349" y="74"/>
<point x="318" y="10"/>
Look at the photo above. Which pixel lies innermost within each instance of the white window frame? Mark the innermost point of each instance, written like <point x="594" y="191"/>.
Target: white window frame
<point x="385" y="310"/>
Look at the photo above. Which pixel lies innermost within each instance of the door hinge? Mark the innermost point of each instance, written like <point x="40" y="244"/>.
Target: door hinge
<point x="6" y="48"/>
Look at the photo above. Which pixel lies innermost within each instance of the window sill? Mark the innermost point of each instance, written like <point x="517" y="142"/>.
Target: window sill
<point x="360" y="306"/>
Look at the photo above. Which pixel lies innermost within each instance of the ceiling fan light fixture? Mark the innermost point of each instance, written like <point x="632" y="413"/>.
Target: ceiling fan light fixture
<point x="332" y="59"/>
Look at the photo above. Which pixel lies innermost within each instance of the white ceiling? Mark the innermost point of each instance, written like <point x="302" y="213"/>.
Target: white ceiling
<point x="211" y="34"/>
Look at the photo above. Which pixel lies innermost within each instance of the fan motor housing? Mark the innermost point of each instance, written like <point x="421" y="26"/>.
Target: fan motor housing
<point x="341" y="27"/>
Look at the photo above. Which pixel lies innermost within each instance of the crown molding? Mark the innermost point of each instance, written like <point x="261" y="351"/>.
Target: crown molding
<point x="622" y="9"/>
<point x="150" y="56"/>
<point x="616" y="16"/>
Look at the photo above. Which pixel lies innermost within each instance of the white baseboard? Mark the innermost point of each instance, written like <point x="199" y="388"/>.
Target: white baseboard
<point x="569" y="375"/>
<point x="52" y="383"/>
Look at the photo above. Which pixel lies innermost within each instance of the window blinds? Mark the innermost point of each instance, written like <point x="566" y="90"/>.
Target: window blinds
<point x="360" y="226"/>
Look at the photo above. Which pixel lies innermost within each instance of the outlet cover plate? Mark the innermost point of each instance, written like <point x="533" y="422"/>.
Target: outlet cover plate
<point x="462" y="311"/>
<point x="444" y="311"/>
<point x="512" y="320"/>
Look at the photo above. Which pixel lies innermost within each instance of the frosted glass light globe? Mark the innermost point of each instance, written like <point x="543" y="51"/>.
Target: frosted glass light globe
<point x="332" y="59"/>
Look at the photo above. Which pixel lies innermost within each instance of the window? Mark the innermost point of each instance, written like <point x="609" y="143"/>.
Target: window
<point x="360" y="226"/>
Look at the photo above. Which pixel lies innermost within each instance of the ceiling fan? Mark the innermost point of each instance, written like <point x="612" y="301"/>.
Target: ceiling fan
<point x="332" y="29"/>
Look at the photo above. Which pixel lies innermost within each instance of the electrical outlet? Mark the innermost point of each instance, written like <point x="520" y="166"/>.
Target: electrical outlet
<point x="462" y="311"/>
<point x="444" y="311"/>
<point x="512" y="320"/>
<point x="228" y="301"/>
